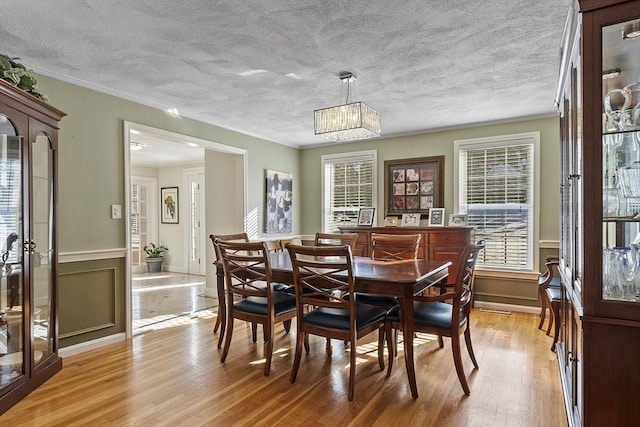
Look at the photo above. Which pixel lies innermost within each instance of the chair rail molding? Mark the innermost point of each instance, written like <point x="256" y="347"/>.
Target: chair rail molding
<point x="92" y="255"/>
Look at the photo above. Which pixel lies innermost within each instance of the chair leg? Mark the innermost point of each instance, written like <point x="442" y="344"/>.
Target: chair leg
<point x="218" y="321"/>
<point x="555" y="308"/>
<point x="300" y="337"/>
<point x="306" y="343"/>
<point x="381" y="348"/>
<point x="391" y="345"/>
<point x="551" y="320"/>
<point x="352" y="369"/>
<point x="254" y="331"/>
<point x="268" y="347"/>
<point x="227" y="341"/>
<point x="440" y="342"/>
<point x="329" y="348"/>
<point x="457" y="360"/>
<point x="467" y="340"/>
<point x="543" y="308"/>
<point x="287" y="325"/>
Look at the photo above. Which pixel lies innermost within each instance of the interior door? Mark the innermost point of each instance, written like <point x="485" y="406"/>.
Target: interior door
<point x="196" y="220"/>
<point x="143" y="220"/>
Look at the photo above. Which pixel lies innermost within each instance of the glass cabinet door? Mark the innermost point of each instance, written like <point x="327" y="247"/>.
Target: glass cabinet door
<point x="11" y="250"/>
<point x="42" y="247"/>
<point x="621" y="161"/>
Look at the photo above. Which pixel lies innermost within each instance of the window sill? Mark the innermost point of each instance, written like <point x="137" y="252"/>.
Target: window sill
<point x="507" y="274"/>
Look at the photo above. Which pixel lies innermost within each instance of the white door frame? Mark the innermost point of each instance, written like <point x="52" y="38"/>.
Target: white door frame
<point x="210" y="145"/>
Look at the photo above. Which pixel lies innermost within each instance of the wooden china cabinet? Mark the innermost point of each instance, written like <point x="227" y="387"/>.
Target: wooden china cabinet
<point x="28" y="255"/>
<point x="599" y="102"/>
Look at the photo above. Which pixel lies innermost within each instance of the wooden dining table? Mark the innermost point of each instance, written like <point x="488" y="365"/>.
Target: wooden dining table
<point x="401" y="279"/>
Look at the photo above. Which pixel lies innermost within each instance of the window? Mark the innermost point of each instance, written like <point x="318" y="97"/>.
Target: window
<point x="496" y="187"/>
<point x="349" y="183"/>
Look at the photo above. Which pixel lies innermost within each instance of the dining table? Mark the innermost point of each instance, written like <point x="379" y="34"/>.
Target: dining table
<point x="401" y="279"/>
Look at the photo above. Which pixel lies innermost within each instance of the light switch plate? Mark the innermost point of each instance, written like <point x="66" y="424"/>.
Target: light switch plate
<point x="116" y="212"/>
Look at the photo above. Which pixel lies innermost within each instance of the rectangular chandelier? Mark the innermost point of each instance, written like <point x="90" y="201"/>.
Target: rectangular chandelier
<point x="347" y="122"/>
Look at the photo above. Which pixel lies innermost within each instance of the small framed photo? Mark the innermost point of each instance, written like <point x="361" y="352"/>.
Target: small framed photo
<point x="365" y="217"/>
<point x="170" y="205"/>
<point x="410" y="220"/>
<point x="391" y="221"/>
<point x="436" y="217"/>
<point x="457" y="220"/>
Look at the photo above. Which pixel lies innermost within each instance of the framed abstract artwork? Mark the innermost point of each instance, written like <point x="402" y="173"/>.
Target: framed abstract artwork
<point x="278" y="202"/>
<point x="413" y="185"/>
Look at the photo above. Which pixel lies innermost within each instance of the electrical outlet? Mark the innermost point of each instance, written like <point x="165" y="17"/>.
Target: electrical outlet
<point x="116" y="212"/>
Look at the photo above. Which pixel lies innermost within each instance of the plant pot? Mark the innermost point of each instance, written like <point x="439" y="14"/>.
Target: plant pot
<point x="154" y="265"/>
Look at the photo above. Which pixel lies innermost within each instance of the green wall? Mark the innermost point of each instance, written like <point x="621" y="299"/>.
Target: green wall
<point x="510" y="290"/>
<point x="91" y="178"/>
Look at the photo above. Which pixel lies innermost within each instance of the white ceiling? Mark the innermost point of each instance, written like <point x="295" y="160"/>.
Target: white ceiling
<point x="262" y="67"/>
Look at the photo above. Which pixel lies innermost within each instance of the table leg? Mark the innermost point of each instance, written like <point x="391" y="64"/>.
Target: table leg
<point x="222" y="306"/>
<point x="406" y="316"/>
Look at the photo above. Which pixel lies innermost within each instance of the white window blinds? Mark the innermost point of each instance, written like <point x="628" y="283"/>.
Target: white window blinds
<point x="496" y="188"/>
<point x="348" y="185"/>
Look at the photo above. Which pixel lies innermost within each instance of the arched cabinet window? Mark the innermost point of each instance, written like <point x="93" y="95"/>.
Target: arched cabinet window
<point x="28" y="248"/>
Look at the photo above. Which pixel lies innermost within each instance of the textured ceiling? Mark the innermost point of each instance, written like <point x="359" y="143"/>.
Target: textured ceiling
<point x="262" y="67"/>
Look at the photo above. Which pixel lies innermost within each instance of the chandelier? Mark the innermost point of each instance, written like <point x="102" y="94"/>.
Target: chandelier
<point x="347" y="122"/>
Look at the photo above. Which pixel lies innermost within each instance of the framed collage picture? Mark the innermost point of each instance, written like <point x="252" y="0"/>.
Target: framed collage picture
<point x="413" y="185"/>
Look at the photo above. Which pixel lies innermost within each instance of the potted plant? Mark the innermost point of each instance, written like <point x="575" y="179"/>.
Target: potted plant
<point x="154" y="257"/>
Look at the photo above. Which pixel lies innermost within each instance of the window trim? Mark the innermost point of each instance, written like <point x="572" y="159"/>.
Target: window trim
<point x="344" y="157"/>
<point x="501" y="141"/>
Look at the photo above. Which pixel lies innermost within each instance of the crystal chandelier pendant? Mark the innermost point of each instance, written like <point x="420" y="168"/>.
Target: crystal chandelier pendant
<point x="349" y="121"/>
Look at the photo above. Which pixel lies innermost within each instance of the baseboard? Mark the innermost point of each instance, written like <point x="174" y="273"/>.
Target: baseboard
<point x="91" y="345"/>
<point x="506" y="307"/>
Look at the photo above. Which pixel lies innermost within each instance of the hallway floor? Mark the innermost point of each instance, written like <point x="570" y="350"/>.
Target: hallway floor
<point x="160" y="299"/>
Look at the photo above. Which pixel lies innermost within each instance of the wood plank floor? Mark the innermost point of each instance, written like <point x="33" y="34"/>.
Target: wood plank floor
<point x="173" y="377"/>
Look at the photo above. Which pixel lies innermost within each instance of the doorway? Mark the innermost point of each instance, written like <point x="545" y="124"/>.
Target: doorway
<point x="155" y="161"/>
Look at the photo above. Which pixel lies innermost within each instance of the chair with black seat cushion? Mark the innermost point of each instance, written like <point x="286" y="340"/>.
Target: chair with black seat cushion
<point x="336" y="239"/>
<point x="446" y="315"/>
<point x="323" y="279"/>
<point x="221" y="321"/>
<point x="550" y="297"/>
<point x="390" y="247"/>
<point x="258" y="303"/>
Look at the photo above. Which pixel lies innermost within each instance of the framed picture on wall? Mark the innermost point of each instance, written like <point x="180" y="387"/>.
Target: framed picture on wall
<point x="279" y="202"/>
<point x="413" y="185"/>
<point x="170" y="205"/>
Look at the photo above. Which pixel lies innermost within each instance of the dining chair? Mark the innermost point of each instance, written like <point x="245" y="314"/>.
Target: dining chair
<point x="390" y="247"/>
<point x="323" y="279"/>
<point x="445" y="315"/>
<point x="258" y="302"/>
<point x="334" y="239"/>
<point x="550" y="297"/>
<point x="221" y="320"/>
<point x="292" y="240"/>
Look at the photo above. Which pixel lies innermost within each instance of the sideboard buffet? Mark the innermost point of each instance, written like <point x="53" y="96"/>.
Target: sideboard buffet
<point x="436" y="243"/>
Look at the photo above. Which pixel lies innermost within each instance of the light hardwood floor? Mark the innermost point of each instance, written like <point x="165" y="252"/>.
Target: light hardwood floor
<point x="173" y="377"/>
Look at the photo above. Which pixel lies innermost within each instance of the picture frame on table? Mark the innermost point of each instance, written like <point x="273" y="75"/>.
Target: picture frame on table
<point x="410" y="220"/>
<point x="413" y="185"/>
<point x="365" y="217"/>
<point x="391" y="221"/>
<point x="436" y="217"/>
<point x="458" y="220"/>
<point x="169" y="206"/>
